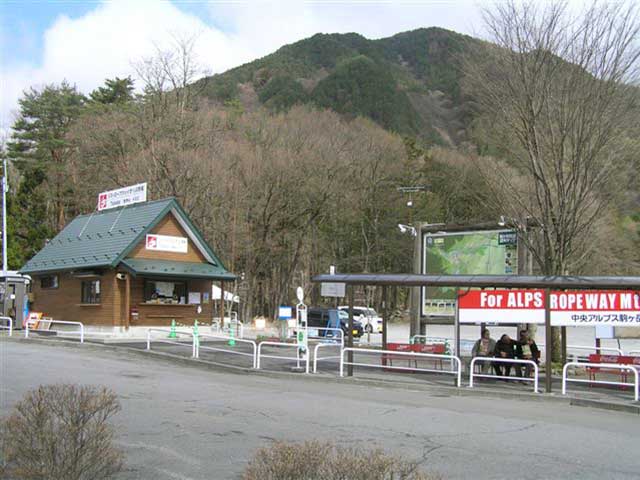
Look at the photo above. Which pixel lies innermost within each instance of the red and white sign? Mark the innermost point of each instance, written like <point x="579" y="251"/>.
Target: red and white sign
<point x="585" y="308"/>
<point x="501" y="306"/>
<point x="122" y="196"/>
<point x="166" y="243"/>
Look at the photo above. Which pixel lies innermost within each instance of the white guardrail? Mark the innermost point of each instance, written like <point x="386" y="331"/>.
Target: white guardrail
<point x="281" y="344"/>
<point x="167" y="340"/>
<point x="410" y="356"/>
<point x="612" y="366"/>
<point x="226" y="338"/>
<point x="62" y="322"/>
<point x="536" y="370"/>
<point x="327" y="341"/>
<point x="595" y="349"/>
<point x="9" y="327"/>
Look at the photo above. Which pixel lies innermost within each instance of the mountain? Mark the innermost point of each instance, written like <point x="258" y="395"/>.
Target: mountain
<point x="408" y="83"/>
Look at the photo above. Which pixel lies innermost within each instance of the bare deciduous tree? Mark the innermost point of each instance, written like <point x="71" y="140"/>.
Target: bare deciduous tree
<point x="558" y="94"/>
<point x="61" y="431"/>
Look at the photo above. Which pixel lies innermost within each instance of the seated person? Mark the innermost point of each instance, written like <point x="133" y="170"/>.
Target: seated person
<point x="505" y="348"/>
<point x="484" y="347"/>
<point x="526" y="349"/>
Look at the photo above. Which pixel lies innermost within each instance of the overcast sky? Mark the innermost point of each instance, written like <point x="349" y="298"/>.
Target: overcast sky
<point x="84" y="42"/>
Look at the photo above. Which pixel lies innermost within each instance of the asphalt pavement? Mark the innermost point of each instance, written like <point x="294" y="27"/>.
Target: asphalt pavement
<point x="187" y="422"/>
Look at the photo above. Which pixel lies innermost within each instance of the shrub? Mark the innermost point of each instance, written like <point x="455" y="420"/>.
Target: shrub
<point x="61" y="432"/>
<point x="324" y="461"/>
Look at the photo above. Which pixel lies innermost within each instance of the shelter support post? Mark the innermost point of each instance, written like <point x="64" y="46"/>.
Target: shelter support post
<point x="385" y="321"/>
<point x="350" y="333"/>
<point x="414" y="291"/>
<point x="548" y="340"/>
<point x="563" y="331"/>
<point x="457" y="325"/>
<point x="222" y="304"/>
<point x="127" y="300"/>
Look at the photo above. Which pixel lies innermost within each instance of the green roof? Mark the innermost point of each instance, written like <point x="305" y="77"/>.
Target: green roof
<point x="167" y="268"/>
<point x="104" y="239"/>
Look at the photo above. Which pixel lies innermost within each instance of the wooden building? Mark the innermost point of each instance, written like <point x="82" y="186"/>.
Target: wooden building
<point x="139" y="265"/>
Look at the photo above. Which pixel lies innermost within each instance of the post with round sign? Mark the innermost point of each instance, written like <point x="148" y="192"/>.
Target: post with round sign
<point x="302" y="333"/>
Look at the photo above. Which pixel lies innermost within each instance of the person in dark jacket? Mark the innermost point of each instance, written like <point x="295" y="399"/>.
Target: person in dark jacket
<point x="526" y="349"/>
<point x="505" y="348"/>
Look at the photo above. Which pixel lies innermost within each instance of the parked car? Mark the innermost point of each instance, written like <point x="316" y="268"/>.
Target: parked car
<point x="329" y="317"/>
<point x="367" y="316"/>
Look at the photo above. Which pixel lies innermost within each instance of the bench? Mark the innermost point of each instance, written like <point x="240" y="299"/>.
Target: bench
<point x="433" y="348"/>
<point x="617" y="359"/>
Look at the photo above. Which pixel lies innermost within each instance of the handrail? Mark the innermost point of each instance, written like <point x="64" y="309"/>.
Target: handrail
<point x="331" y="343"/>
<point x="227" y="338"/>
<point x="585" y="347"/>
<point x="239" y="326"/>
<point x="615" y="366"/>
<point x="633" y="352"/>
<point x="177" y="332"/>
<point x="10" y="327"/>
<point x="281" y="344"/>
<point x="504" y="360"/>
<point x="457" y="372"/>
<point x="64" y="322"/>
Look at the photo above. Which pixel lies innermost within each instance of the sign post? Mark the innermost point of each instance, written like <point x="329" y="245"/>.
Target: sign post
<point x="302" y="332"/>
<point x="284" y="315"/>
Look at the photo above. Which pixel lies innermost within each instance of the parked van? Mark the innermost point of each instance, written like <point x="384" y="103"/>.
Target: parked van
<point x="329" y="317"/>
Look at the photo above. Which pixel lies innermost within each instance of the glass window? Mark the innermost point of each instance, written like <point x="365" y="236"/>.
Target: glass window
<point x="157" y="291"/>
<point x="91" y="291"/>
<point x="50" y="281"/>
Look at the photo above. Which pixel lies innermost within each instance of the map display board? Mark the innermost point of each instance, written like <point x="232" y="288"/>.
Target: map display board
<point x="493" y="252"/>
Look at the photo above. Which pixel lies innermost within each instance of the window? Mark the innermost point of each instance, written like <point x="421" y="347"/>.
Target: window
<point x="91" y="291"/>
<point x="50" y="281"/>
<point x="165" y="292"/>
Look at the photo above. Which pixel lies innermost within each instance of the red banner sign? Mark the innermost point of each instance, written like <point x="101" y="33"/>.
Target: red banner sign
<point x="615" y="308"/>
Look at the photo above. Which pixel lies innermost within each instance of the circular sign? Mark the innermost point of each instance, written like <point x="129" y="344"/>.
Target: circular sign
<point x="300" y="294"/>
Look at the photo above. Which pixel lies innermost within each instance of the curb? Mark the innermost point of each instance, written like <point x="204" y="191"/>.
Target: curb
<point x="633" y="408"/>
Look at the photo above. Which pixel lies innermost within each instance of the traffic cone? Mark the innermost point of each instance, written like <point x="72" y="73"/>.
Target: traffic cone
<point x="232" y="341"/>
<point x="172" y="333"/>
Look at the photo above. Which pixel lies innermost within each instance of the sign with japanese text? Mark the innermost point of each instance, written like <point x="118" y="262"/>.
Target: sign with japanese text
<point x="501" y="306"/>
<point x="122" y="196"/>
<point x="590" y="308"/>
<point x="584" y="308"/>
<point x="167" y="243"/>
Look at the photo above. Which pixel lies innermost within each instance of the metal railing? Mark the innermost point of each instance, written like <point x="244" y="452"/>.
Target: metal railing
<point x="226" y="338"/>
<point x="172" y="342"/>
<point x="536" y="370"/>
<point x="633" y="352"/>
<point x="618" y="351"/>
<point x="410" y="356"/>
<point x="233" y="323"/>
<point x="9" y="327"/>
<point x="279" y="357"/>
<point x="334" y="341"/>
<point x="50" y="322"/>
<point x="612" y="366"/>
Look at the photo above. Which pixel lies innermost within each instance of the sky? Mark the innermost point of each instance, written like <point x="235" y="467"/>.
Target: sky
<point x="85" y="42"/>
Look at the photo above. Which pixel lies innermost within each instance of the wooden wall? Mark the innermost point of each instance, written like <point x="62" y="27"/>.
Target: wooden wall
<point x="64" y="302"/>
<point x="163" y="314"/>
<point x="169" y="226"/>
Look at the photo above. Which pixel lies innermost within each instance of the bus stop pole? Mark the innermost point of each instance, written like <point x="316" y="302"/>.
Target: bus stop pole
<point x="350" y="334"/>
<point x="385" y="322"/>
<point x="457" y="325"/>
<point x="548" y="340"/>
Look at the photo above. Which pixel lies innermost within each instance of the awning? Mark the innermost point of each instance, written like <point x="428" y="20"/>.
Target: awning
<point x="166" y="268"/>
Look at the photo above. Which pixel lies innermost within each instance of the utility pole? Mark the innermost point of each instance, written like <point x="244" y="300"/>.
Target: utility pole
<point x="4" y="233"/>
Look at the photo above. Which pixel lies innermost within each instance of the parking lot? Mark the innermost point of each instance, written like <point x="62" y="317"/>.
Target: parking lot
<point x="187" y="422"/>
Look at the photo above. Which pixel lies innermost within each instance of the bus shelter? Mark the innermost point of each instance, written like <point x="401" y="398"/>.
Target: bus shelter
<point x="553" y="300"/>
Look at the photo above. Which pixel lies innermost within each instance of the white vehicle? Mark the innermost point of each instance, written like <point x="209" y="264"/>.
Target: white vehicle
<point x="371" y="321"/>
